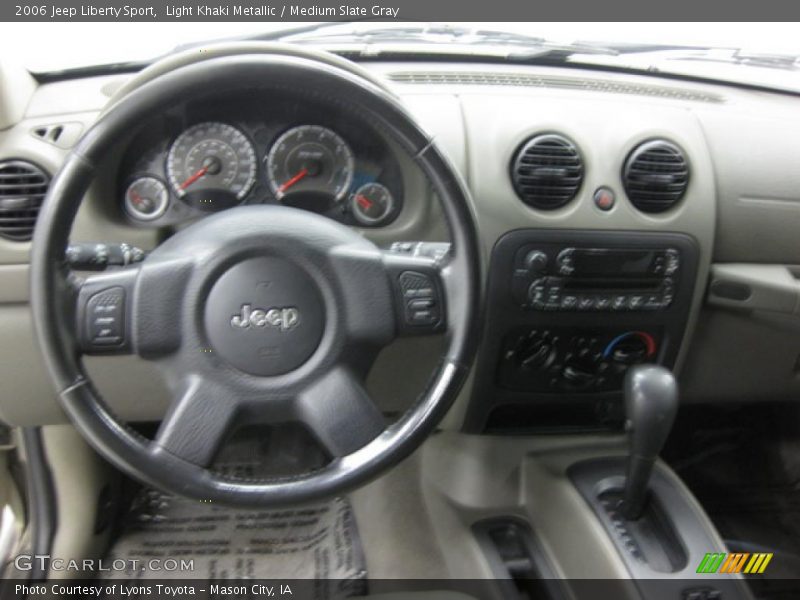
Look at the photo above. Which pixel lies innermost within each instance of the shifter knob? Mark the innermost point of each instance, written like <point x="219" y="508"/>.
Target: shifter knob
<point x="651" y="401"/>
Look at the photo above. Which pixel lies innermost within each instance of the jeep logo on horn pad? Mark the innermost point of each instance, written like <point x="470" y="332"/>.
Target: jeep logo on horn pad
<point x="280" y="318"/>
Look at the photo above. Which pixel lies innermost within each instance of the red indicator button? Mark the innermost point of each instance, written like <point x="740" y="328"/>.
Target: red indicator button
<point x="604" y="198"/>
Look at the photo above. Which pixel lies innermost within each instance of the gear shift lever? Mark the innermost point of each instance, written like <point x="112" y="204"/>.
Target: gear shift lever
<point x="651" y="401"/>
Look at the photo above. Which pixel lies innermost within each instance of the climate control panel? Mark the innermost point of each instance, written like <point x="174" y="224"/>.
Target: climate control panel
<point x="546" y="359"/>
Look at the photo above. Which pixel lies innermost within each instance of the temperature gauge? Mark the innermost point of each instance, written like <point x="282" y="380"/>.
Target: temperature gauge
<point x="372" y="204"/>
<point x="146" y="198"/>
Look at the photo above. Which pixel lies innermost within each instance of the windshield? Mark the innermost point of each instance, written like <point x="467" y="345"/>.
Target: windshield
<point x="764" y="54"/>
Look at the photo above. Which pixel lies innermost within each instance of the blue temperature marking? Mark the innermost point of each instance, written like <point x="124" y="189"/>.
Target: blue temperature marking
<point x="615" y="341"/>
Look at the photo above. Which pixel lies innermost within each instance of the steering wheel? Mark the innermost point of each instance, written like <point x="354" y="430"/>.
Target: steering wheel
<point x="260" y="313"/>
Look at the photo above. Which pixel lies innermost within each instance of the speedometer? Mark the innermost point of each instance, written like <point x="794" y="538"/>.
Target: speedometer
<point x="310" y="159"/>
<point x="211" y="161"/>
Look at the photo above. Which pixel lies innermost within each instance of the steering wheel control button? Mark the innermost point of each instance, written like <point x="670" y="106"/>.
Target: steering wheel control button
<point x="420" y="299"/>
<point x="105" y="313"/>
<point x="265" y="316"/>
<point x="604" y="199"/>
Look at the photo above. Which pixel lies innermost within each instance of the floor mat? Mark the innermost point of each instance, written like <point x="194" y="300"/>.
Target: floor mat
<point x="316" y="541"/>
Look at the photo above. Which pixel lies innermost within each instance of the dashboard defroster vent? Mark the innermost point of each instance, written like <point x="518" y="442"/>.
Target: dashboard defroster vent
<point x="655" y="176"/>
<point x="547" y="171"/>
<point x="23" y="186"/>
<point x="533" y="80"/>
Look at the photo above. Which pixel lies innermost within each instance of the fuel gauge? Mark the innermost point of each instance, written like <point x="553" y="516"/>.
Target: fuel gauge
<point x="146" y="198"/>
<point x="372" y="204"/>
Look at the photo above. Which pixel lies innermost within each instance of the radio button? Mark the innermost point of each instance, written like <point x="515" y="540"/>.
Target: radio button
<point x="585" y="302"/>
<point x="635" y="302"/>
<point x="538" y="305"/>
<point x="602" y="302"/>
<point x="652" y="302"/>
<point x="537" y="292"/>
<point x="672" y="262"/>
<point x="537" y="301"/>
<point x="619" y="302"/>
<point x="565" y="262"/>
<point x="553" y="302"/>
<point x="569" y="302"/>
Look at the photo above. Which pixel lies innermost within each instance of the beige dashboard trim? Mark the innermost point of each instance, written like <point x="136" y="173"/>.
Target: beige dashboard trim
<point x="15" y="284"/>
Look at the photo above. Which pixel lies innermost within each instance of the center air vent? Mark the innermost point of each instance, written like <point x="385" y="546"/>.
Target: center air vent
<point x="655" y="176"/>
<point x="547" y="171"/>
<point x="23" y="186"/>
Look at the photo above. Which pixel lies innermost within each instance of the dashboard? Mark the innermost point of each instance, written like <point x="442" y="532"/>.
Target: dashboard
<point x="206" y="157"/>
<point x="550" y="157"/>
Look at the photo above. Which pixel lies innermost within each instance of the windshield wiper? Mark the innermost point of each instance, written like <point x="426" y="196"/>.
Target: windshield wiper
<point x="731" y="55"/>
<point x="751" y="59"/>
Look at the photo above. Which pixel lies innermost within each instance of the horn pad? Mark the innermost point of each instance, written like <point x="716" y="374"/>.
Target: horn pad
<point x="265" y="316"/>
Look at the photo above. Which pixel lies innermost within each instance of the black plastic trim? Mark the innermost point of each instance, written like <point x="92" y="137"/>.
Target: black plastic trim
<point x="504" y="315"/>
<point x="533" y="571"/>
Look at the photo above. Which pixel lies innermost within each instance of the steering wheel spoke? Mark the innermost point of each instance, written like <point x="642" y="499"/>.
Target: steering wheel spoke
<point x="198" y="421"/>
<point x="339" y="412"/>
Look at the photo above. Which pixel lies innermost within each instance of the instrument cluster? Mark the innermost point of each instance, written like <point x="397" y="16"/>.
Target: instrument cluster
<point x="195" y="163"/>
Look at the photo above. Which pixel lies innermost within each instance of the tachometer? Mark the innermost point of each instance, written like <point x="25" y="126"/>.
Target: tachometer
<point x="310" y="159"/>
<point x="211" y="162"/>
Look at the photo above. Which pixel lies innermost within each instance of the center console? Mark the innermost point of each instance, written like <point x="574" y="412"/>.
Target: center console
<point x="568" y="313"/>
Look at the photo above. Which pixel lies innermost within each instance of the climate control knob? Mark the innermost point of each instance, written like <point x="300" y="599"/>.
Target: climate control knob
<point x="630" y="348"/>
<point x="536" y="351"/>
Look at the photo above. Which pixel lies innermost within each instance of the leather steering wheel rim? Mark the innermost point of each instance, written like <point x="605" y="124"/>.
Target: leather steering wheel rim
<point x="53" y="293"/>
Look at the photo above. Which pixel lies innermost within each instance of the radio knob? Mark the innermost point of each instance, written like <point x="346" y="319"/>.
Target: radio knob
<point x="536" y="261"/>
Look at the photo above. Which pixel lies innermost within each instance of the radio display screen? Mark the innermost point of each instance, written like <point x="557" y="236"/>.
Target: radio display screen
<point x="619" y="263"/>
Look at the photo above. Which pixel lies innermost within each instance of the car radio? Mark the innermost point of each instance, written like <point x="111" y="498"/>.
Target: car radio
<point x="553" y="278"/>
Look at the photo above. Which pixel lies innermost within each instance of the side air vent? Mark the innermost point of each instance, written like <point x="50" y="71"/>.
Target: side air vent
<point x="23" y="186"/>
<point x="655" y="176"/>
<point x="547" y="171"/>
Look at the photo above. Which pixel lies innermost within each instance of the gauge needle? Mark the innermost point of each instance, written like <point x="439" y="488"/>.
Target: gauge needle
<point x="137" y="199"/>
<point x="193" y="178"/>
<point x="365" y="202"/>
<point x="302" y="173"/>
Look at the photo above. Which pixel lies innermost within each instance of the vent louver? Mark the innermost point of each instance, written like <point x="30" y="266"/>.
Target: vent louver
<point x="547" y="171"/>
<point x="655" y="176"/>
<point x="23" y="186"/>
